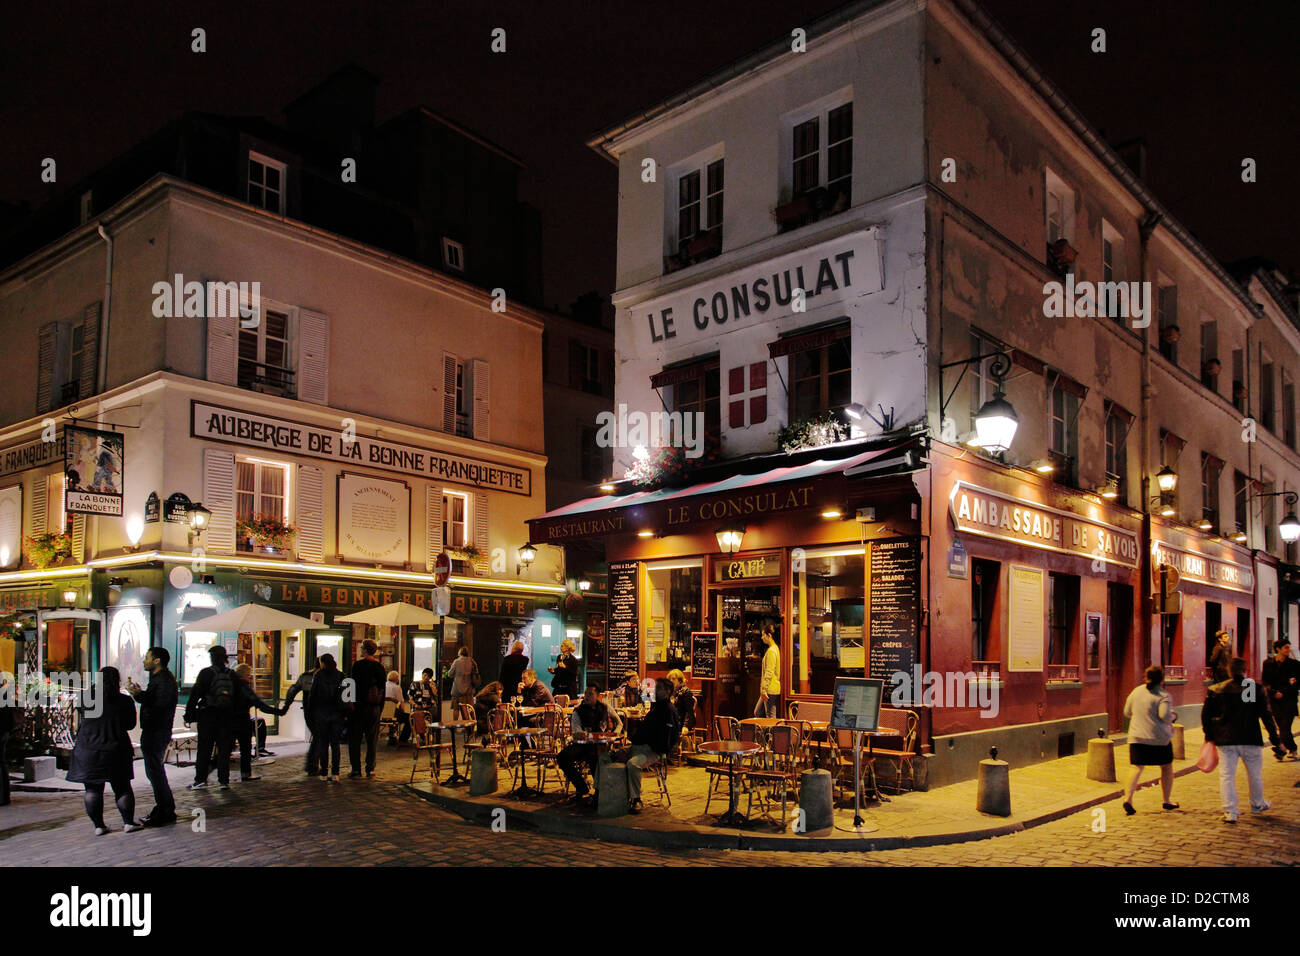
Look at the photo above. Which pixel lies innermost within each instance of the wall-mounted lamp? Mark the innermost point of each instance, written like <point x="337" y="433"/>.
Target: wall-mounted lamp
<point x="1166" y="479"/>
<point x="729" y="539"/>
<point x="1288" y="528"/>
<point x="1109" y="489"/>
<point x="856" y="411"/>
<point x="199" y="517"/>
<point x="832" y="512"/>
<point x="996" y="421"/>
<point x="1044" y="466"/>
<point x="134" y="530"/>
<point x="607" y="487"/>
<point x="527" y="554"/>
<point x="584" y="584"/>
<point x="645" y="533"/>
<point x="69" y="596"/>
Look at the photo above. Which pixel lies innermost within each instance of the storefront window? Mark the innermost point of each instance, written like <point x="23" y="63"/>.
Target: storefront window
<point x="673" y="612"/>
<point x="1063" y="606"/>
<point x="66" y="647"/>
<point x="983" y="592"/>
<point x="196" y="653"/>
<point x="828" y="601"/>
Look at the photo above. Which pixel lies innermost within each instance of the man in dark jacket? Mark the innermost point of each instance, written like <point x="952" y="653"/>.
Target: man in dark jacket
<point x="1230" y="719"/>
<point x="212" y="705"/>
<point x="247" y="727"/>
<point x="368" y="679"/>
<point x="157" y="714"/>
<point x="1221" y="657"/>
<point x="512" y="670"/>
<point x="1281" y="677"/>
<point x="326" y="713"/>
<point x="303" y="686"/>
<point x="655" y="737"/>
<point x="591" y="716"/>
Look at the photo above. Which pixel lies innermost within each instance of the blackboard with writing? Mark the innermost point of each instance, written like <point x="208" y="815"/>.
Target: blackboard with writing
<point x="621" y="644"/>
<point x="895" y="603"/>
<point x="704" y="654"/>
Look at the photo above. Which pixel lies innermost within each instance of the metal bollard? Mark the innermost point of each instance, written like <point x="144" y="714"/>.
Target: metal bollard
<point x="994" y="795"/>
<point x="1101" y="758"/>
<point x="482" y="773"/>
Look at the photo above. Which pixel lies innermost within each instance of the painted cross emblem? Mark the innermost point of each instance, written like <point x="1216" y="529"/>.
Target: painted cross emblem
<point x="747" y="391"/>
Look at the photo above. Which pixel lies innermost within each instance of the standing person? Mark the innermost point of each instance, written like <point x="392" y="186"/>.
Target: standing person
<point x="683" y="700"/>
<point x="1231" y="723"/>
<point x="368" y="679"/>
<point x="1221" y="657"/>
<point x="157" y="714"/>
<point x="1151" y="733"/>
<point x="246" y="727"/>
<point x="212" y="707"/>
<point x="591" y="716"/>
<point x="326" y="713"/>
<point x="565" y="670"/>
<point x="650" y="742"/>
<point x="303" y="686"/>
<point x="102" y="752"/>
<point x="393" y="691"/>
<point x="423" y="695"/>
<point x="512" y="668"/>
<point x="769" y="683"/>
<point x="1281" y="675"/>
<point x="464" y="678"/>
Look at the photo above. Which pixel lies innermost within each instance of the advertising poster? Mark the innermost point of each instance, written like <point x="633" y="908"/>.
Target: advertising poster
<point x="93" y="466"/>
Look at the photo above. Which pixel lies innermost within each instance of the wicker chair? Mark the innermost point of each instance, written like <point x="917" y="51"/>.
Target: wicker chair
<point x="426" y="738"/>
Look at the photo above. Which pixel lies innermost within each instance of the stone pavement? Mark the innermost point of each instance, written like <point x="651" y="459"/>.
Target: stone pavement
<point x="288" y="819"/>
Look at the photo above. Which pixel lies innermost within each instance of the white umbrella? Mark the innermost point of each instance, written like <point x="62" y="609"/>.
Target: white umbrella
<point x="254" y="617"/>
<point x="398" y="614"/>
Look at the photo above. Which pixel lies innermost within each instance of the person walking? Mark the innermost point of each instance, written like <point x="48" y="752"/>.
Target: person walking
<point x="464" y="678"/>
<point x="368" y="679"/>
<point x="1151" y="732"/>
<point x="102" y="752"/>
<point x="247" y="727"/>
<point x="1221" y="657"/>
<point x="769" y="684"/>
<point x="565" y="671"/>
<point x="157" y="714"/>
<point x="1230" y="719"/>
<point x="326" y="712"/>
<point x="1280" y="676"/>
<point x="212" y="705"/>
<point x="303" y="686"/>
<point x="512" y="669"/>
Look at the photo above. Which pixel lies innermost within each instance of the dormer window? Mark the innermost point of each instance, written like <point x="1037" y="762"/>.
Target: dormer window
<point x="266" y="182"/>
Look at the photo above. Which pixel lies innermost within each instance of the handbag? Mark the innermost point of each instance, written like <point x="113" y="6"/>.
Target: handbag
<point x="1209" y="757"/>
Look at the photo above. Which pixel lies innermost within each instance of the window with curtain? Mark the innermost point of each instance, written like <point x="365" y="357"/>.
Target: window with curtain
<point x="260" y="491"/>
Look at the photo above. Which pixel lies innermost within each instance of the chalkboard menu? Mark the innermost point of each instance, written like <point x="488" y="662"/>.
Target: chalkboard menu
<point x="895" y="589"/>
<point x="704" y="654"/>
<point x="622" y="647"/>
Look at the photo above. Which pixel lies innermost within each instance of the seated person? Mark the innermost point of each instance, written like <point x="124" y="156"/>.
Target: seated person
<point x="423" y="695"/>
<point x="486" y="701"/>
<point x="630" y="690"/>
<point x="535" y="694"/>
<point x="656" y="737"/>
<point x="393" y="691"/>
<point x="683" y="700"/>
<point x="591" y="716"/>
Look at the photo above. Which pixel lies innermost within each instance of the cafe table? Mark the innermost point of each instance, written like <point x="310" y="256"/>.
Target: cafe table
<point x="521" y="788"/>
<point x="465" y="726"/>
<point x="732" y="751"/>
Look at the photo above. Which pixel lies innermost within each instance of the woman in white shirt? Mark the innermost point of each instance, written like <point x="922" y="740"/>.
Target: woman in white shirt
<point x="393" y="691"/>
<point x="1151" y="732"/>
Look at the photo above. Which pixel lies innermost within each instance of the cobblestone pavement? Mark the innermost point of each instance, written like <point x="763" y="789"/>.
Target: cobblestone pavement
<point x="288" y="819"/>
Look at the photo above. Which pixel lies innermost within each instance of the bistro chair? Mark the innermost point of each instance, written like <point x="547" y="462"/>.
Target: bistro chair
<point x="792" y="709"/>
<point x="660" y="771"/>
<point x="561" y="700"/>
<point x="839" y="756"/>
<point x="786" y="764"/>
<point x="426" y="738"/>
<point x="388" y="719"/>
<point x="545" y="751"/>
<point x="902" y="758"/>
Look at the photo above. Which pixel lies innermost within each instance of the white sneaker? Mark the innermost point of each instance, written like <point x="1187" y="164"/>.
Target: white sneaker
<point x="334" y="778"/>
<point x="1262" y="807"/>
<point x="1229" y="818"/>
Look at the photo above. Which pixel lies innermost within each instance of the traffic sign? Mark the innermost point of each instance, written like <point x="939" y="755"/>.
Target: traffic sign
<point x="1171" y="575"/>
<point x="442" y="569"/>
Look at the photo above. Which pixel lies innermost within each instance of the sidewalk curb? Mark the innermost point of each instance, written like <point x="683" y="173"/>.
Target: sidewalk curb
<point x="689" y="837"/>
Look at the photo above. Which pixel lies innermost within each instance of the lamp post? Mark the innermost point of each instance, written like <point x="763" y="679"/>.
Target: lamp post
<point x="1288" y="528"/>
<point x="996" y="421"/>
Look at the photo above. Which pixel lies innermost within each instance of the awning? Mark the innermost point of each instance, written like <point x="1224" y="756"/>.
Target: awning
<point x="740" y="498"/>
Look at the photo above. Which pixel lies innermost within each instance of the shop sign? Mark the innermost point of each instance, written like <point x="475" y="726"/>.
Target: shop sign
<point x="1205" y="570"/>
<point x="40" y="596"/>
<point x="251" y="430"/>
<point x="991" y="514"/>
<point x="93" y="465"/>
<point x="742" y="505"/>
<point x="32" y="454"/>
<point x="496" y="605"/>
<point x="742" y="569"/>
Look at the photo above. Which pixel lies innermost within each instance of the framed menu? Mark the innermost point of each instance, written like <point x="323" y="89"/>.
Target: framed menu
<point x="704" y="654"/>
<point x="893" y="606"/>
<point x="621" y="644"/>
<point x="1025" y="620"/>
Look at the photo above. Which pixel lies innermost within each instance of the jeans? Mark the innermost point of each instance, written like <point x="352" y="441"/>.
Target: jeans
<point x="637" y="757"/>
<point x="1253" y="758"/>
<point x="244" y="738"/>
<point x="1284" y="712"/>
<point x="218" y="730"/>
<point x="365" y="722"/>
<point x="770" y="708"/>
<point x="154" y="744"/>
<point x="326" y="740"/>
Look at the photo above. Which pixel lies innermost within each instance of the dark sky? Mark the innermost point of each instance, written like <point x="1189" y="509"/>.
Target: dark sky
<point x="1205" y="83"/>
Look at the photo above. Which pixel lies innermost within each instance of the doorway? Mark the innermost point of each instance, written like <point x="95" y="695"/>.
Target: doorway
<point x="742" y="614"/>
<point x="1243" y="633"/>
<point x="1213" y="624"/>
<point x="1119" y="629"/>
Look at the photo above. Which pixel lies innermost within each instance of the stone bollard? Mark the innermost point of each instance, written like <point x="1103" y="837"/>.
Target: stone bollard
<point x="482" y="773"/>
<point x="1179" y="742"/>
<point x="612" y="800"/>
<point x="994" y="794"/>
<point x="1101" y="758"/>
<point x="815" y="791"/>
<point x="39" y="768"/>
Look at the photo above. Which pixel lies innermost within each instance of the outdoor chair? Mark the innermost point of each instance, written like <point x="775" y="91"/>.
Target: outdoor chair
<point x="902" y="758"/>
<point x="388" y="725"/>
<point x="786" y="764"/>
<point x="426" y="738"/>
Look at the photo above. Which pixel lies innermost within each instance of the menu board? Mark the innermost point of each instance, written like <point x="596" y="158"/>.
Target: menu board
<point x="856" y="703"/>
<point x="1025" y="620"/>
<point x="623" y="650"/>
<point x="894" y="586"/>
<point x="704" y="654"/>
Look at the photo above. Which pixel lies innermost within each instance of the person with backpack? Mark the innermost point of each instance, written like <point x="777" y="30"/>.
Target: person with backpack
<point x="368" y="679"/>
<point x="326" y="714"/>
<point x="1230" y="718"/>
<point x="213" y="706"/>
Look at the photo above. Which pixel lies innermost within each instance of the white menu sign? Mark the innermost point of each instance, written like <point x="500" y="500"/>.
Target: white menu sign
<point x="1025" y="620"/>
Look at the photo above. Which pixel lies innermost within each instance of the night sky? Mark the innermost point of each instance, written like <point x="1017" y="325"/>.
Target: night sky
<point x="1205" y="83"/>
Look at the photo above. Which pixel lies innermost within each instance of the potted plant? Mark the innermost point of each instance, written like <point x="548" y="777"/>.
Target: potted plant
<point x="1061" y="255"/>
<point x="268" y="532"/>
<point x="824" y="429"/>
<point x="42" y="550"/>
<point x="466" y="552"/>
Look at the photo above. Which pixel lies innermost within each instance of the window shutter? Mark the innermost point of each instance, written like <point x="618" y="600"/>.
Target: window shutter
<point x="432" y="526"/>
<point x="484" y="562"/>
<point x="311" y="514"/>
<point x="313" y="357"/>
<point x="48" y="339"/>
<point x="448" y="392"/>
<point x="36" y="521"/>
<point x="223" y="348"/>
<point x="219" y="498"/>
<point x="89" y="351"/>
<point x="78" y="538"/>
<point x="482" y="401"/>
<point x="576" y="369"/>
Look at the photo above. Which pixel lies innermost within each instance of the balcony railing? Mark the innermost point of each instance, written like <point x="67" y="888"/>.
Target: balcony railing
<point x="270" y="379"/>
<point x="1062" y="673"/>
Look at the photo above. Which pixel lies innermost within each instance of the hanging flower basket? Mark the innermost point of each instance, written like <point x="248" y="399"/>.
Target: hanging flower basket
<point x="266" y="531"/>
<point x="671" y="466"/>
<point x="466" y="552"/>
<point x="42" y="550"/>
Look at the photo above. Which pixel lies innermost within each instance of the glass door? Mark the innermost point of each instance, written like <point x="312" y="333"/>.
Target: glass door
<point x="742" y="614"/>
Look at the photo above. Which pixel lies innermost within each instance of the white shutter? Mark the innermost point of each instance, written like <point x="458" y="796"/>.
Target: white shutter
<point x="482" y="401"/>
<point x="223" y="348"/>
<point x="219" y="498"/>
<point x="310" y="540"/>
<point x="36" y="508"/>
<point x="449" y="393"/>
<point x="89" y="371"/>
<point x="49" y="340"/>
<point x="432" y="525"/>
<point x="78" y="538"/>
<point x="313" y="357"/>
<point x="483" y="563"/>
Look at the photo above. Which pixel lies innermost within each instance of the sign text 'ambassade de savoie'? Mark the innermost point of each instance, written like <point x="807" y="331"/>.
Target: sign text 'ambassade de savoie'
<point x="237" y="427"/>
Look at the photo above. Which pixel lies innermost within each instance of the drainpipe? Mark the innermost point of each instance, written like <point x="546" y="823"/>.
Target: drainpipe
<point x="101" y="379"/>
<point x="1146" y="226"/>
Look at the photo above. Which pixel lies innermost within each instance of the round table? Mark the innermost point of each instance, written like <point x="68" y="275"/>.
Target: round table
<point x="453" y="726"/>
<point x="521" y="789"/>
<point x="732" y="750"/>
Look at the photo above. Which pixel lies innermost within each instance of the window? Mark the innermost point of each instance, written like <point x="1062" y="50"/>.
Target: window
<point x="675" y="599"/>
<point x="264" y="354"/>
<point x="1112" y="271"/>
<point x="261" y="491"/>
<point x="981" y="385"/>
<point x="453" y="254"/>
<point x="1117" y="426"/>
<point x="593" y="457"/>
<point x="455" y="519"/>
<point x="57" y="521"/>
<point x="1210" y="355"/>
<point x="1239" y="397"/>
<point x="822" y="158"/>
<point x="984" y="578"/>
<point x="462" y="403"/>
<point x="1240" y="503"/>
<point x="1062" y="614"/>
<point x="1167" y="315"/>
<point x="1058" y="210"/>
<point x="699" y="210"/>
<point x="820" y="380"/>
<point x="584" y="367"/>
<point x="701" y="394"/>
<point x="76" y="355"/>
<point x="828" y="607"/>
<point x="1063" y="429"/>
<point x="1267" y="410"/>
<point x="1211" y="468"/>
<point x="265" y="182"/>
<point x="1288" y="410"/>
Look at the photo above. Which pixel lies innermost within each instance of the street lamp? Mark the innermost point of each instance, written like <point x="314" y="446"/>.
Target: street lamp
<point x="527" y="554"/>
<point x="584" y="584"/>
<point x="996" y="421"/>
<point x="1166" y="479"/>
<point x="1289" y="527"/>
<point x="199" y="517"/>
<point x="729" y="539"/>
